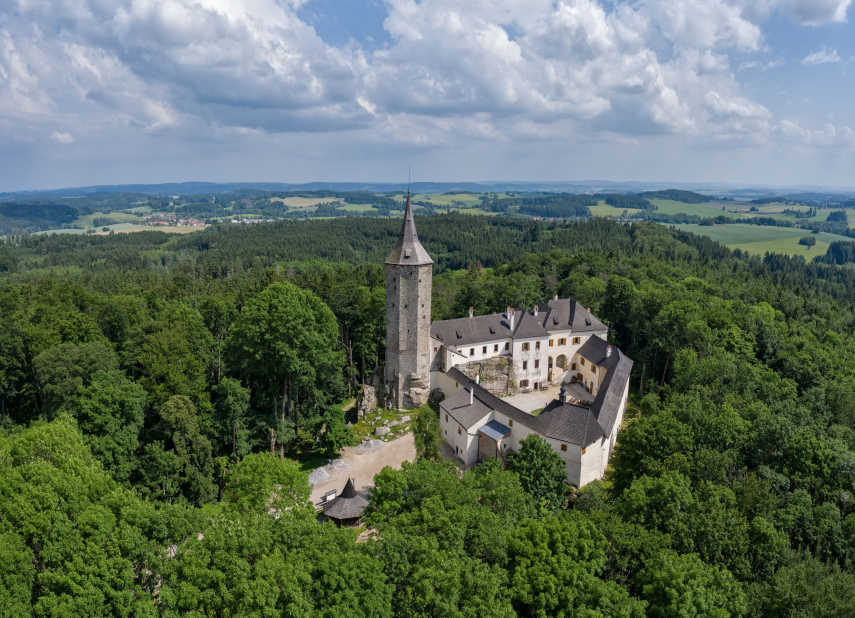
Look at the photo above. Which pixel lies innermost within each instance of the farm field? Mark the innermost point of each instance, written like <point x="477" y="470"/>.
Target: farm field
<point x="185" y="229"/>
<point x="357" y="207"/>
<point x="123" y="217"/>
<point x="707" y="209"/>
<point x="760" y="239"/>
<point x="303" y="202"/>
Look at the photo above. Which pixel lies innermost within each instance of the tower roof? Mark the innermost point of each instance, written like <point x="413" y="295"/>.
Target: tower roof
<point x="409" y="251"/>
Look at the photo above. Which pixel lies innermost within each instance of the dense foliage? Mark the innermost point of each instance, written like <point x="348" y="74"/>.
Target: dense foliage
<point x="142" y="378"/>
<point x="619" y="200"/>
<point x="677" y="195"/>
<point x="562" y="206"/>
<point x="19" y="218"/>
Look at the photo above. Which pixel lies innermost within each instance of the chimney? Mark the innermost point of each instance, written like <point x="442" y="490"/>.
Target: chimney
<point x="562" y="396"/>
<point x="511" y="313"/>
<point x="535" y="311"/>
<point x="471" y="312"/>
<point x="471" y="395"/>
<point x="556" y="297"/>
<point x="608" y="351"/>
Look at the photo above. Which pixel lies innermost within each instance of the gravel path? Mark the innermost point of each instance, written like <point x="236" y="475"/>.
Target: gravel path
<point x="362" y="463"/>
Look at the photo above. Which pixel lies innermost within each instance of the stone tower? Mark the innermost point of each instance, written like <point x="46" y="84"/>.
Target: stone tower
<point x="409" y="274"/>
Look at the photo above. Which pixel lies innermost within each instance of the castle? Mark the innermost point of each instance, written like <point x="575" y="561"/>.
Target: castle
<point x="557" y="343"/>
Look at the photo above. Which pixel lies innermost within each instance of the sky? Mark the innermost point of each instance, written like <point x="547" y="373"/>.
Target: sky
<point x="150" y="91"/>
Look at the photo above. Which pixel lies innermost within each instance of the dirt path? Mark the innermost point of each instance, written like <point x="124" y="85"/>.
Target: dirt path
<point x="363" y="466"/>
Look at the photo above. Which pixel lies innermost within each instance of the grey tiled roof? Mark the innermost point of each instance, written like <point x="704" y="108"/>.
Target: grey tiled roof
<point x="528" y="325"/>
<point x="606" y="405"/>
<point x="581" y="423"/>
<point x="409" y="251"/>
<point x="465" y="331"/>
<point x="458" y="407"/>
<point x="568" y="423"/>
<point x="563" y="313"/>
<point x="555" y="315"/>
<point x="572" y="427"/>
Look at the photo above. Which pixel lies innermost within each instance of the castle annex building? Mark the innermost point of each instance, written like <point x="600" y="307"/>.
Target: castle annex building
<point x="477" y="362"/>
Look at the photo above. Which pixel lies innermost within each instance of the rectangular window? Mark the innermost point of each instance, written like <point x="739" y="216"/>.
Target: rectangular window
<point x="562" y="341"/>
<point x="582" y="361"/>
<point x="523" y="383"/>
<point x="563" y="447"/>
<point x="434" y="349"/>
<point x="536" y="364"/>
<point x="496" y="348"/>
<point x="536" y="345"/>
<point x="458" y="431"/>
<point x="526" y="347"/>
<point x="536" y="385"/>
<point x="456" y="385"/>
<point x="525" y="364"/>
<point x="471" y="351"/>
<point x="446" y="418"/>
<point x="510" y="423"/>
<point x="550" y="342"/>
<point x="583" y="451"/>
<point x="572" y="366"/>
<point x="507" y="346"/>
<point x="593" y="369"/>
<point x="576" y="340"/>
<point x="484" y="350"/>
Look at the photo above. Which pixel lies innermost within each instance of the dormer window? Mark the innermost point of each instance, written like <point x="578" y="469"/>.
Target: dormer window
<point x="406" y="254"/>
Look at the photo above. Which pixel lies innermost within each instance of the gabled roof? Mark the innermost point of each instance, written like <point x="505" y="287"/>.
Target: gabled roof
<point x="528" y="326"/>
<point x="458" y="407"/>
<point x="464" y="331"/>
<point x="606" y="406"/>
<point x="565" y="313"/>
<point x="409" y="251"/>
<point x="556" y="315"/>
<point x="570" y="424"/>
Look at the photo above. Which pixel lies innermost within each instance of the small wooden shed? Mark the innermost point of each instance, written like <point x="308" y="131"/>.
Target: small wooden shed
<point x="347" y="508"/>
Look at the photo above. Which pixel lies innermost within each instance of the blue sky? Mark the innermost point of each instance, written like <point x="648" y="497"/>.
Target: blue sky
<point x="120" y="91"/>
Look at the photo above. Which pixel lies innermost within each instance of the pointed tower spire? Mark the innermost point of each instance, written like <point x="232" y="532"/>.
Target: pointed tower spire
<point x="408" y="250"/>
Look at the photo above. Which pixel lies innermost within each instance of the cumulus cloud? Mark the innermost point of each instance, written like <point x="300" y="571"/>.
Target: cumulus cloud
<point x="821" y="57"/>
<point x="62" y="138"/>
<point x="843" y="137"/>
<point x="487" y="70"/>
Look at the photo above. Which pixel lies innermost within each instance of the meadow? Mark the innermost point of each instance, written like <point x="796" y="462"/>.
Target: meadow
<point x="303" y="202"/>
<point x="760" y="239"/>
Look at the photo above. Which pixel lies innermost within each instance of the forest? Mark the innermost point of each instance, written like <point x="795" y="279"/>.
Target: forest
<point x="143" y="375"/>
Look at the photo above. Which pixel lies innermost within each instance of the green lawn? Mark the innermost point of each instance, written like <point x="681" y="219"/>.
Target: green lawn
<point x="707" y="209"/>
<point x="122" y="217"/>
<point x="760" y="239"/>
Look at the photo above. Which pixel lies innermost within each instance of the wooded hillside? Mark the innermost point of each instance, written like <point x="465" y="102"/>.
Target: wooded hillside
<point x="138" y="388"/>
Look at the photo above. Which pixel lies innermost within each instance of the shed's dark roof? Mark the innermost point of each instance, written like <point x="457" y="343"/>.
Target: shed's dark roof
<point x="556" y="315"/>
<point x="495" y="430"/>
<point x="347" y="505"/>
<point x="409" y="251"/>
